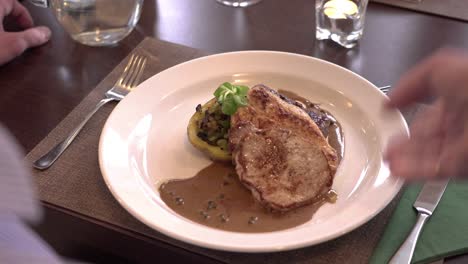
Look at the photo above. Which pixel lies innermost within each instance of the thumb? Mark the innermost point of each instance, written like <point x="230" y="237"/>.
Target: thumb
<point x="13" y="44"/>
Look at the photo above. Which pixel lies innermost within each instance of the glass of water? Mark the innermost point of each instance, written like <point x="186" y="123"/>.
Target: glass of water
<point x="238" y="3"/>
<point x="96" y="22"/>
<point x="340" y="20"/>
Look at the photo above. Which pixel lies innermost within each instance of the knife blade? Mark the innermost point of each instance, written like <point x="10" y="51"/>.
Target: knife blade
<point x="425" y="204"/>
<point x="429" y="197"/>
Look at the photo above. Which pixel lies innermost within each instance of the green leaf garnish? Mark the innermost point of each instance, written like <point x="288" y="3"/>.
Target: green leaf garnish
<point x="231" y="97"/>
<point x="229" y="105"/>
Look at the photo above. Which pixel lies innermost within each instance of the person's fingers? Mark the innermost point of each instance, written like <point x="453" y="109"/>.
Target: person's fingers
<point x="425" y="126"/>
<point x="429" y="122"/>
<point x="454" y="158"/>
<point x="21" y="15"/>
<point x="393" y="147"/>
<point x="15" y="43"/>
<point x="400" y="154"/>
<point x="415" y="168"/>
<point x="450" y="78"/>
<point x="412" y="87"/>
<point x="16" y="10"/>
<point x="415" y="159"/>
<point x="441" y="74"/>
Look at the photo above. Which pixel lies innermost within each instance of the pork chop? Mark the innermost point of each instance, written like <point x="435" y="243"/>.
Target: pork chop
<point x="279" y="152"/>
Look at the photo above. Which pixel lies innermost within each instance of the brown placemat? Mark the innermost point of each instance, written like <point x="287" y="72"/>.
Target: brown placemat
<point x="74" y="182"/>
<point x="449" y="8"/>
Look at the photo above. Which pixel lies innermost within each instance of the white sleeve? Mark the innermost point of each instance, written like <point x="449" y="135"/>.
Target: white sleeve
<point x="19" y="204"/>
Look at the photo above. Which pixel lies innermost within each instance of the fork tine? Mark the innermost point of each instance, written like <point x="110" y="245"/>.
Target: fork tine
<point x="385" y="89"/>
<point x="124" y="73"/>
<point x="130" y="72"/>
<point x="134" y="74"/>
<point x="138" y="75"/>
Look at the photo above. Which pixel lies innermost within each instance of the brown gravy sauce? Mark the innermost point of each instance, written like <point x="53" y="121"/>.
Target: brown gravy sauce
<point x="216" y="198"/>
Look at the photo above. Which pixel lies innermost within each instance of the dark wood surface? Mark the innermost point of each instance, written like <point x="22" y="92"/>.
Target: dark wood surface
<point x="43" y="85"/>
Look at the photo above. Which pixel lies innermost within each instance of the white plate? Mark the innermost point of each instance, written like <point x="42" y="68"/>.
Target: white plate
<point x="144" y="143"/>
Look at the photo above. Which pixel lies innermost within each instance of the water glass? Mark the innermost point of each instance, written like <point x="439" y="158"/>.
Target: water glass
<point x="238" y="3"/>
<point x="340" y="20"/>
<point x="96" y="22"/>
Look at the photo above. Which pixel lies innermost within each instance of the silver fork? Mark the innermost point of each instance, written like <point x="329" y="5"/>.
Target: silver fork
<point x="129" y="79"/>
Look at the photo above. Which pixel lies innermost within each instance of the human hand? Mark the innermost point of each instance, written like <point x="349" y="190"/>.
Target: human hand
<point x="438" y="145"/>
<point x="13" y="44"/>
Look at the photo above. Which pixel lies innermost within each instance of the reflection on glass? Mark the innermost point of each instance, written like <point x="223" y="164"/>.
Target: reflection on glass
<point x="340" y="20"/>
<point x="97" y="22"/>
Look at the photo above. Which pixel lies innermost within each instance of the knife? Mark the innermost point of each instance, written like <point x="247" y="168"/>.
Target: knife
<point x="425" y="204"/>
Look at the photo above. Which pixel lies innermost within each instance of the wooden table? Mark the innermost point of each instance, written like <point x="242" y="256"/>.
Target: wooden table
<point x="43" y="85"/>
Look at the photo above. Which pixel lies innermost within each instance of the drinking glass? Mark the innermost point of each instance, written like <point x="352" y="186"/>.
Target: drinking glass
<point x="340" y="20"/>
<point x="238" y="3"/>
<point x="96" y="22"/>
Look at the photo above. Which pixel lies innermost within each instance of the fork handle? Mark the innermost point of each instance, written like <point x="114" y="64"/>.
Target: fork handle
<point x="50" y="157"/>
<point x="405" y="252"/>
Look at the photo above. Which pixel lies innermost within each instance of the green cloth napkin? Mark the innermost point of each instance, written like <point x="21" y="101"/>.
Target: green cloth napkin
<point x="445" y="233"/>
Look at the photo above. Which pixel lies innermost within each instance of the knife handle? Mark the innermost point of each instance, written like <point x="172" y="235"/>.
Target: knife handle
<point x="406" y="250"/>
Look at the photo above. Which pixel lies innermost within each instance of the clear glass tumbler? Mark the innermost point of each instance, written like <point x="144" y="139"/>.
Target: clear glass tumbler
<point x="238" y="3"/>
<point x="96" y="22"/>
<point x="340" y="20"/>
